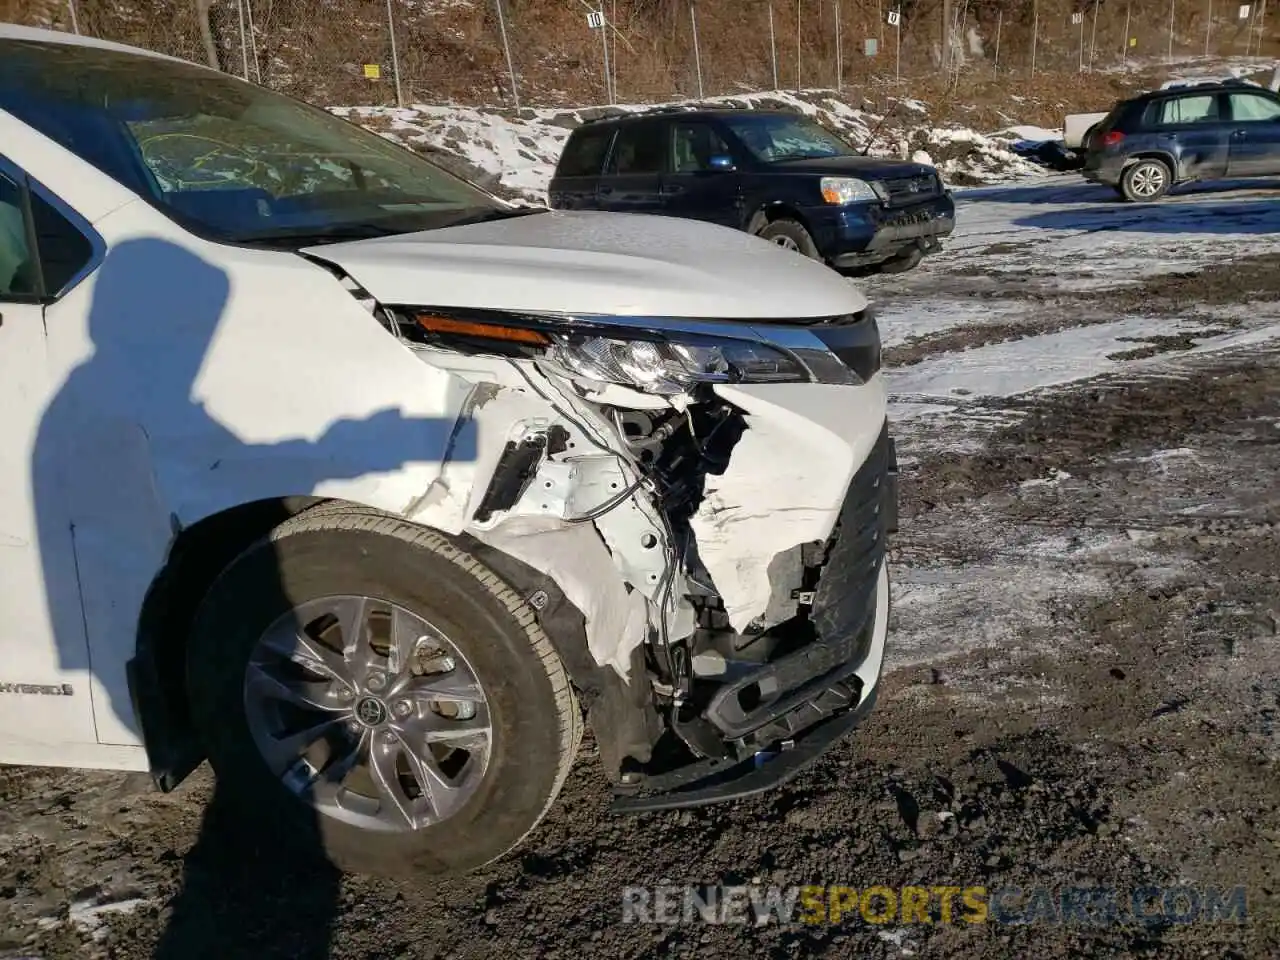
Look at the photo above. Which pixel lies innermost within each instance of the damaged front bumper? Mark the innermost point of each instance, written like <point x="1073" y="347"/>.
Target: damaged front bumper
<point x="771" y="720"/>
<point x="709" y="564"/>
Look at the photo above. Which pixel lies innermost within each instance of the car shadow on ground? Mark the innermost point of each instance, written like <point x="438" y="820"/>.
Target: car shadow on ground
<point x="1063" y="189"/>
<point x="1070" y="189"/>
<point x="1238" y="217"/>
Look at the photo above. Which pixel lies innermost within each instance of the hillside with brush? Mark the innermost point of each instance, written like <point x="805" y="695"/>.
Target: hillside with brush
<point x="978" y="52"/>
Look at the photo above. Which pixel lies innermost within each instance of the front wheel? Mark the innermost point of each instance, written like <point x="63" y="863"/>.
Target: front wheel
<point x="902" y="263"/>
<point x="368" y="692"/>
<point x="1146" y="180"/>
<point x="790" y="235"/>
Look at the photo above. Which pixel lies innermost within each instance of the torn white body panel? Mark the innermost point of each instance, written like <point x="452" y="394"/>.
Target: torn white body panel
<point x="574" y="556"/>
<point x="785" y="483"/>
<point x="625" y="544"/>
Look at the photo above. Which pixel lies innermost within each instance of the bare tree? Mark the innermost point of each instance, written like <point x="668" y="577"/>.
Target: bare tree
<point x="204" y="18"/>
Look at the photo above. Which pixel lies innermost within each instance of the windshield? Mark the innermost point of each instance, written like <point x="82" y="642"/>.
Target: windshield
<point x="775" y="137"/>
<point x="229" y="160"/>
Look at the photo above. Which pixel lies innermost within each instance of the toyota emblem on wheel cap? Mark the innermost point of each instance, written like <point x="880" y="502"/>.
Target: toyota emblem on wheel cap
<point x="370" y="712"/>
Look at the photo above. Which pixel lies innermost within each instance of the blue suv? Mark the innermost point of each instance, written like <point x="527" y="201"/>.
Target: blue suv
<point x="1184" y="133"/>
<point x="776" y="174"/>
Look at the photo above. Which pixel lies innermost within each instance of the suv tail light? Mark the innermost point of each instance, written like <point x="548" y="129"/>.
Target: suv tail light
<point x="1112" y="138"/>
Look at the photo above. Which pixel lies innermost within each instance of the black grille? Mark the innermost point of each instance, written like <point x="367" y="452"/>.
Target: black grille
<point x="902" y="190"/>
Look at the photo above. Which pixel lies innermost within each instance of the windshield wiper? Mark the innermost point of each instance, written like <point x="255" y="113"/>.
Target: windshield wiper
<point x="303" y="236"/>
<point x="485" y="216"/>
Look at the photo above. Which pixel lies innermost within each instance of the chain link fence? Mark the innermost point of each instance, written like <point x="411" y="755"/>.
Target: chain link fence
<point x="572" y="52"/>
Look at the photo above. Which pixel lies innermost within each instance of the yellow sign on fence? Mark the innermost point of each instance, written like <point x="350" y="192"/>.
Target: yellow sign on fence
<point x="372" y="71"/>
<point x="1133" y="41"/>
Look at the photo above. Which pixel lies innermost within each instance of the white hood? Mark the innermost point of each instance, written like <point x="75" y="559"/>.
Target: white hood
<point x="602" y="263"/>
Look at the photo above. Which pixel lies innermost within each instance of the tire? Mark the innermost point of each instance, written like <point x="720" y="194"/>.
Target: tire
<point x="790" y="235"/>
<point x="528" y="711"/>
<point x="1146" y="180"/>
<point x="902" y="263"/>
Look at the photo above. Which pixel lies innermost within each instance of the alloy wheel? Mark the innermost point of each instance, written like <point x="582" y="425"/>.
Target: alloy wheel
<point x="1147" y="180"/>
<point x="368" y="713"/>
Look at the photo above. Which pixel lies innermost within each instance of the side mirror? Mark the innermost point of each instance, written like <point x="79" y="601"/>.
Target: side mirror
<point x="722" y="163"/>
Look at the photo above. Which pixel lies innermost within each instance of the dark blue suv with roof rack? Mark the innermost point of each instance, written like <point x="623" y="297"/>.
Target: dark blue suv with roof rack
<point x="779" y="175"/>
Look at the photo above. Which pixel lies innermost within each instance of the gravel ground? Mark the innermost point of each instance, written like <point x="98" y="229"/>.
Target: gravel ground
<point x="1085" y="692"/>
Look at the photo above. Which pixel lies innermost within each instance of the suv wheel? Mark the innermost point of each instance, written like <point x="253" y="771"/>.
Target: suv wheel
<point x="368" y="692"/>
<point x="1148" y="179"/>
<point x="903" y="262"/>
<point x="790" y="235"/>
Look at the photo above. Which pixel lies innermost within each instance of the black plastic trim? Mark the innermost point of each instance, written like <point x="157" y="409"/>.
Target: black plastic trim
<point x="716" y="782"/>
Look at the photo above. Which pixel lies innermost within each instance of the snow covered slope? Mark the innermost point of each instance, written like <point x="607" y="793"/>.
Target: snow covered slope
<point x="520" y="153"/>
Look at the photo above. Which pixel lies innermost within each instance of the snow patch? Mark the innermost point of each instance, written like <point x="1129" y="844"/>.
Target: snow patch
<point x="1055" y="477"/>
<point x="520" y="152"/>
<point x="90" y="916"/>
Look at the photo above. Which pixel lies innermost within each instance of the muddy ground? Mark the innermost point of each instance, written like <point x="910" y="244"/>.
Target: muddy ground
<point x="1102" y="562"/>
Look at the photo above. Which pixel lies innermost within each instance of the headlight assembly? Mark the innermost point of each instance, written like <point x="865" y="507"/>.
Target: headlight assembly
<point x="840" y="190"/>
<point x="673" y="366"/>
<point x="660" y="362"/>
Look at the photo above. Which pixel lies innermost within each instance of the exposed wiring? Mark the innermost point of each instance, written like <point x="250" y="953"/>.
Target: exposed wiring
<point x="584" y="429"/>
<point x="668" y="578"/>
<point x="613" y="502"/>
<point x="595" y="513"/>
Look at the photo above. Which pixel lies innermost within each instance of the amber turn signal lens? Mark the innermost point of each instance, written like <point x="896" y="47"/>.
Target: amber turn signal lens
<point x="434" y="323"/>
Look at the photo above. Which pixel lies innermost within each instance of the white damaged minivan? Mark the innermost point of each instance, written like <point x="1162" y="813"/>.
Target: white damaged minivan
<point x="374" y="491"/>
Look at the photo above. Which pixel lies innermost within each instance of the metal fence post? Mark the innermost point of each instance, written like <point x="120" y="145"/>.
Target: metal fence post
<point x="395" y="55"/>
<point x="995" y="68"/>
<point x="244" y="41"/>
<point x="612" y="27"/>
<point x="1035" y="33"/>
<point x="697" y="54"/>
<point x="1173" y="6"/>
<point x="1093" y="34"/>
<point x="506" y="46"/>
<point x="798" y="2"/>
<point x="1124" y="49"/>
<point x="773" y="47"/>
<point x="1208" y="27"/>
<point x="604" y="45"/>
<point x="253" y="41"/>
<point x="897" y="55"/>
<point x="839" y="51"/>
<point x="75" y="20"/>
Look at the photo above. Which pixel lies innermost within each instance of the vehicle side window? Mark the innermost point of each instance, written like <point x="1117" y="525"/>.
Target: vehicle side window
<point x="1182" y="110"/>
<point x="693" y="145"/>
<point x="63" y="251"/>
<point x="584" y="154"/>
<point x="17" y="266"/>
<point x="1252" y="108"/>
<point x="638" y="150"/>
